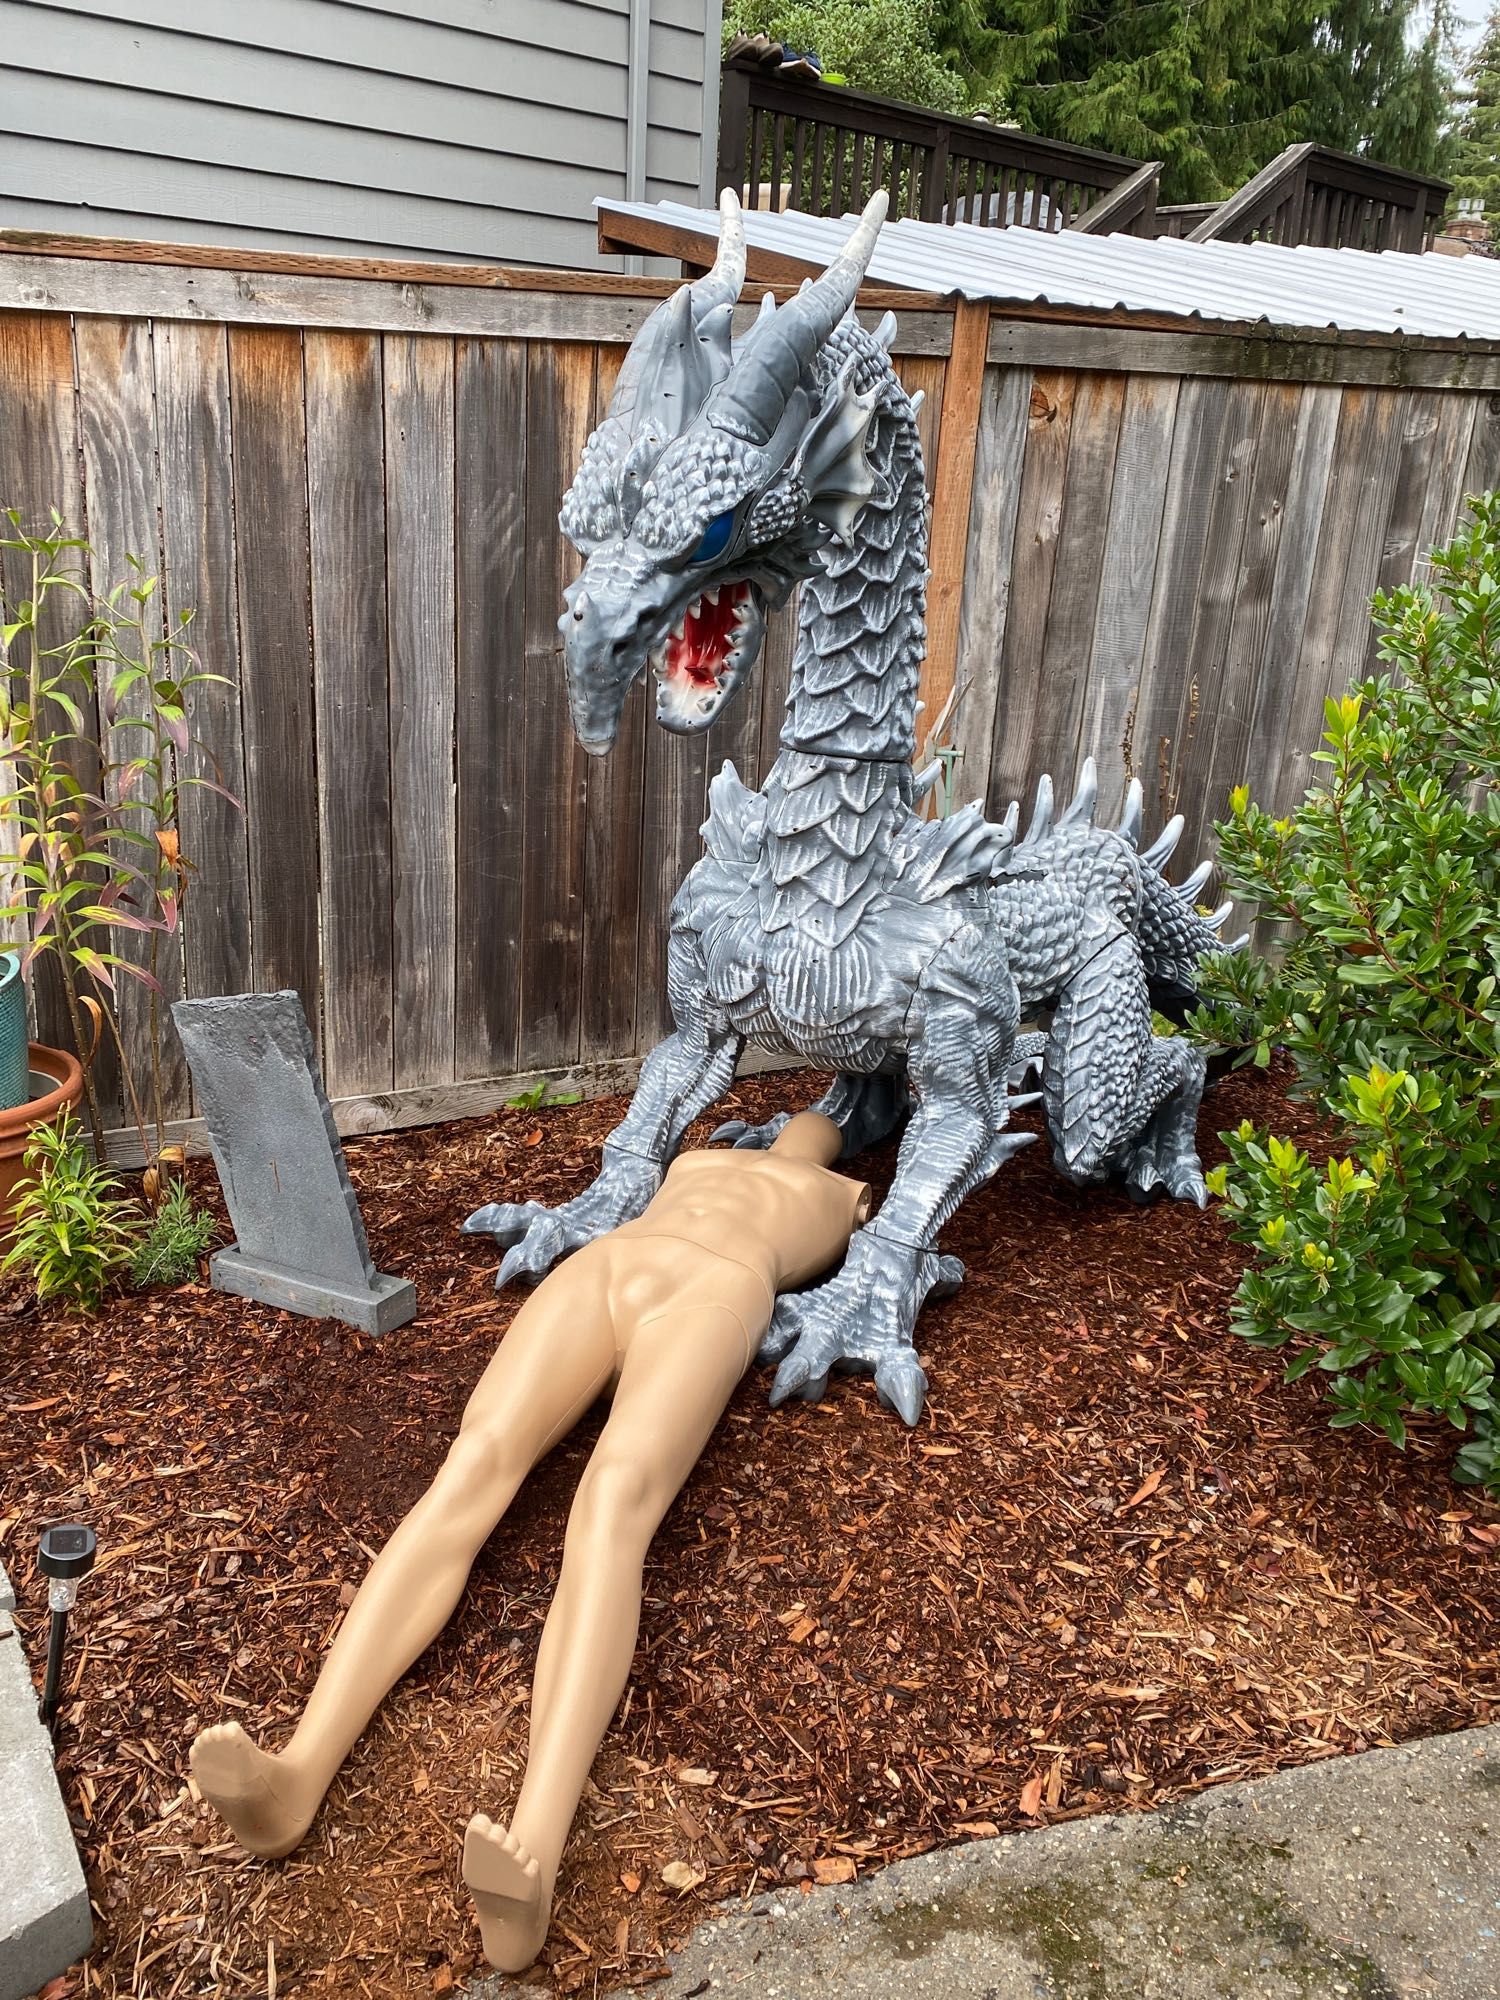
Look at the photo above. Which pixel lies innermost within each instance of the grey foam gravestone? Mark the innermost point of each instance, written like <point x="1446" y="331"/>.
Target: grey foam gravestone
<point x="299" y="1240"/>
<point x="45" y="1922"/>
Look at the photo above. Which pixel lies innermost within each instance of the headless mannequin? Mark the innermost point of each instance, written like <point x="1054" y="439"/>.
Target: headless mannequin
<point x="668" y="1312"/>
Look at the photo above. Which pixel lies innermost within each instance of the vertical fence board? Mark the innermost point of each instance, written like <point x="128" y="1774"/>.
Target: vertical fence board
<point x="1211" y="693"/>
<point x="560" y="397"/>
<point x="1365" y="422"/>
<point x="490" y="717"/>
<point x="117" y="433"/>
<point x="197" y="531"/>
<point x="924" y="375"/>
<point x="1482" y="467"/>
<point x="1319" y="413"/>
<point x="1004" y="416"/>
<point x="1198" y="447"/>
<point x="270" y="508"/>
<point x="1033" y="563"/>
<point x="775" y="671"/>
<point x="347" y="527"/>
<point x="419" y="612"/>
<point x="676" y="801"/>
<point x="1443" y="494"/>
<point x="1235" y="697"/>
<point x="1127" y="571"/>
<point x="1088" y="485"/>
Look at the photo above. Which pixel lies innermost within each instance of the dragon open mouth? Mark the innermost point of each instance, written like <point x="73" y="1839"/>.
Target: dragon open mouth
<point x="698" y="663"/>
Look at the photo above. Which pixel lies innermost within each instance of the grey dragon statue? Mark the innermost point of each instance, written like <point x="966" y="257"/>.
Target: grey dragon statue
<point x="827" y="919"/>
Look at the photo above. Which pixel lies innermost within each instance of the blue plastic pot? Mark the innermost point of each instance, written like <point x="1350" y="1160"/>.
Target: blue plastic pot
<point x="15" y="1074"/>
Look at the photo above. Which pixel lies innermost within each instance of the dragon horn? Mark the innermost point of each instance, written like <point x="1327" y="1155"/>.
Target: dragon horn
<point x="778" y="352"/>
<point x="723" y="284"/>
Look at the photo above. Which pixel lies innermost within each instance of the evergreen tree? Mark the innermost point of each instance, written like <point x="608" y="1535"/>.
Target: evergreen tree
<point x="1476" y="153"/>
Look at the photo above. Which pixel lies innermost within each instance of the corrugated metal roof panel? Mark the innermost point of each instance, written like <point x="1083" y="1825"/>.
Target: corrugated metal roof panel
<point x="1353" y="291"/>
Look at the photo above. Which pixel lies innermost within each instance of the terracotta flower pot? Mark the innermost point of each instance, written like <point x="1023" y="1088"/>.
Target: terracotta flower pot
<point x="54" y="1067"/>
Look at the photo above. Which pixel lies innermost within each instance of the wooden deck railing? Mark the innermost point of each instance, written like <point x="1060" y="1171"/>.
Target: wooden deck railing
<point x="1311" y="194"/>
<point x="825" y="150"/>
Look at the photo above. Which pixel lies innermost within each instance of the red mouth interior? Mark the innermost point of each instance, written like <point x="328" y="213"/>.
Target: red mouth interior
<point x="707" y="636"/>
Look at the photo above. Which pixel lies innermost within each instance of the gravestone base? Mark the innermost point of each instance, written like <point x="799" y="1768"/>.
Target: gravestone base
<point x="379" y="1307"/>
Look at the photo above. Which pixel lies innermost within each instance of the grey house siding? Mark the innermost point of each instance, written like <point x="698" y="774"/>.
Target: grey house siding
<point x="476" y="130"/>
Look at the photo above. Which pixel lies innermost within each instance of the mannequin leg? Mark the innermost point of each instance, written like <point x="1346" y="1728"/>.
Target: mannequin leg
<point x="679" y="1373"/>
<point x="557" y="1357"/>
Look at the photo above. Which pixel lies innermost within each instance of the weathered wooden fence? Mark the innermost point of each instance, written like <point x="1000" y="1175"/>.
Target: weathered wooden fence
<point x="1152" y="545"/>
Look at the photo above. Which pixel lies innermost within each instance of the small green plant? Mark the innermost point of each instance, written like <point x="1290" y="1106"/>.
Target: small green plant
<point x="540" y="1097"/>
<point x="179" y="1234"/>
<point x="1384" y="1270"/>
<point x="74" y="1229"/>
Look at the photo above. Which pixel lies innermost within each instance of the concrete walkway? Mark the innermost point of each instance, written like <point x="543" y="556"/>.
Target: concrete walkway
<point x="1375" y="1877"/>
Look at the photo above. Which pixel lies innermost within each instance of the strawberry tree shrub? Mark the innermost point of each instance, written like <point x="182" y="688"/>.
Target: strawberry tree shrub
<point x="1381" y="1269"/>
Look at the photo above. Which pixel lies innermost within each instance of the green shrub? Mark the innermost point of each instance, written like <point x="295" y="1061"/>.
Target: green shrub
<point x="179" y="1234"/>
<point x="74" y="1229"/>
<point x="1382" y="1271"/>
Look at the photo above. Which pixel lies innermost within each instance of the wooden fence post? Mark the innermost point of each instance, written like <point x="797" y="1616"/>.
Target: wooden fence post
<point x="952" y="488"/>
<point x="734" y="118"/>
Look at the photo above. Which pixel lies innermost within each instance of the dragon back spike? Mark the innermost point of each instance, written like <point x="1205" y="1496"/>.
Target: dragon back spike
<point x="1081" y="805"/>
<point x="1130" y="819"/>
<point x="1161" y="850"/>
<point x="1197" y="882"/>
<point x="1041" y="812"/>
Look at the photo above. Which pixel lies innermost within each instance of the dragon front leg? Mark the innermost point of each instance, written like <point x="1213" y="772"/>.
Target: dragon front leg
<point x="680" y="1078"/>
<point x="862" y="1319"/>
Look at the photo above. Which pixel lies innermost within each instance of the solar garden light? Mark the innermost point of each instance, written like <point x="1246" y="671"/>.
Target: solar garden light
<point x="65" y="1559"/>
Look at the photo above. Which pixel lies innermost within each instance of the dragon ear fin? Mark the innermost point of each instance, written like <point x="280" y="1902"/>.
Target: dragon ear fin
<point x="833" y="463"/>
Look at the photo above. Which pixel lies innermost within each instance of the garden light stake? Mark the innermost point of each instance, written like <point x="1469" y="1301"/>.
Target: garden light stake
<point x="65" y="1558"/>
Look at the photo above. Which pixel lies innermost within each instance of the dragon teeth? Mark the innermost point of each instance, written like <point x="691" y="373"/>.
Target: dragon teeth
<point x="710" y="596"/>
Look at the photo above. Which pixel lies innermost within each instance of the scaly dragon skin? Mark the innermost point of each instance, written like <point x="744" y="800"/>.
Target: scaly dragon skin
<point x="826" y="920"/>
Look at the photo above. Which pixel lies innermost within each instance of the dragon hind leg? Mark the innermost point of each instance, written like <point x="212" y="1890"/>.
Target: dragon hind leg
<point x="1119" y="1099"/>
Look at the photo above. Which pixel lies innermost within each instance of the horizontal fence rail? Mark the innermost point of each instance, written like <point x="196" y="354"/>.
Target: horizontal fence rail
<point x="1144" y="548"/>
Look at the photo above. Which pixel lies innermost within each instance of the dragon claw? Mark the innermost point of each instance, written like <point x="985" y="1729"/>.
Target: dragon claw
<point x="534" y="1237"/>
<point x="744" y="1137"/>
<point x="901" y="1385"/>
<point x="860" y="1322"/>
<point x="950" y="1275"/>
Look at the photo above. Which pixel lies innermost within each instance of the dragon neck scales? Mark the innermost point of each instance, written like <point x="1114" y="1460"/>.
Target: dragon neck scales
<point x="843" y="782"/>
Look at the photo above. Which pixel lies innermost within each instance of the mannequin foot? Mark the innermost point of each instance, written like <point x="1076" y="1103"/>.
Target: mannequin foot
<point x="506" y="1884"/>
<point x="266" y="1808"/>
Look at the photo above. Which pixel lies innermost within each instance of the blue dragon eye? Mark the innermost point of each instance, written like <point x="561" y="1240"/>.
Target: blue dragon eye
<point x="715" y="539"/>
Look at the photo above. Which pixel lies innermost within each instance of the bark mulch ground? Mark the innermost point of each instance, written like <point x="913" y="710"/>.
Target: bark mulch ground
<point x="1117" y="1561"/>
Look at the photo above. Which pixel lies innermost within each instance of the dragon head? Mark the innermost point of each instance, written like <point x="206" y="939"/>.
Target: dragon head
<point x="717" y="475"/>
